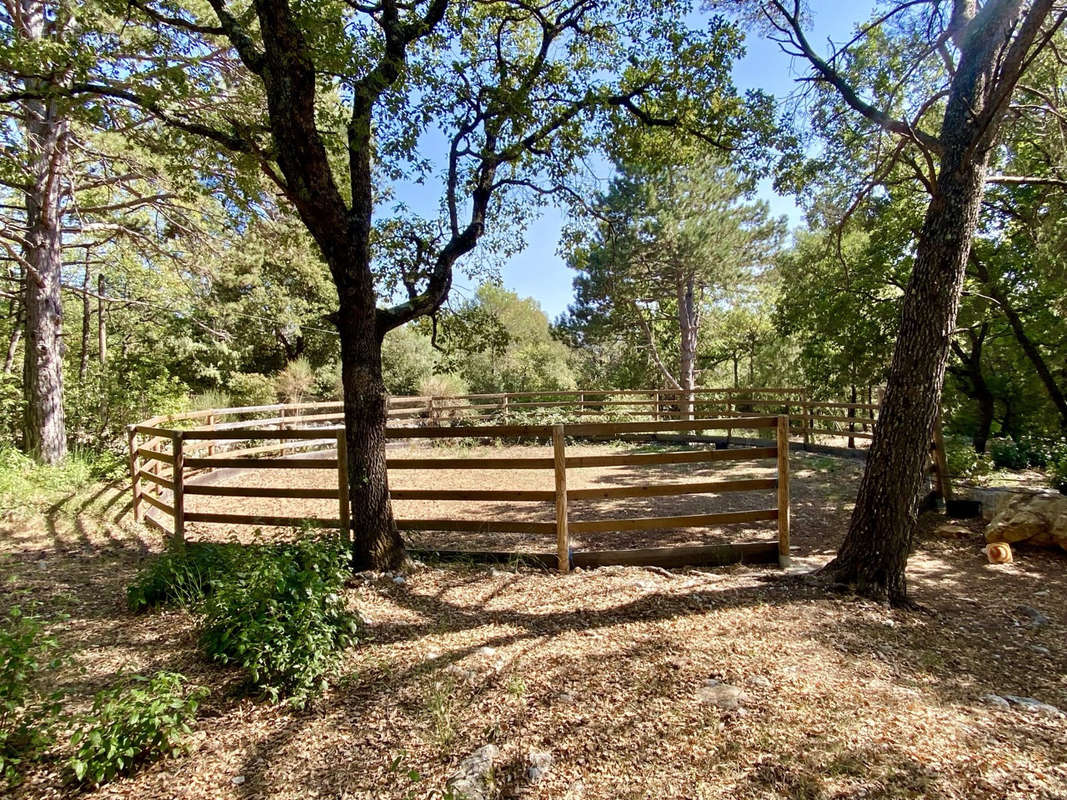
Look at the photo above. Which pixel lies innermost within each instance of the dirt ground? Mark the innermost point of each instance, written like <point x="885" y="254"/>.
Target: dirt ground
<point x="816" y="494"/>
<point x="605" y="670"/>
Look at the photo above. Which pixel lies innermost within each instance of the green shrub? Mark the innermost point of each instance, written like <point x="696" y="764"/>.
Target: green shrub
<point x="250" y="389"/>
<point x="1007" y="454"/>
<point x="131" y="725"/>
<point x="180" y="576"/>
<point x="963" y="461"/>
<point x="1057" y="474"/>
<point x="27" y="715"/>
<point x="281" y="618"/>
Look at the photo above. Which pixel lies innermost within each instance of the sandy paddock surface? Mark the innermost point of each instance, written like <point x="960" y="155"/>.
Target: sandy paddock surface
<point x="603" y="669"/>
<point x="816" y="489"/>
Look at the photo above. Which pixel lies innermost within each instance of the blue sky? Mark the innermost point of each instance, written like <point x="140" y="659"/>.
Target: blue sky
<point x="540" y="273"/>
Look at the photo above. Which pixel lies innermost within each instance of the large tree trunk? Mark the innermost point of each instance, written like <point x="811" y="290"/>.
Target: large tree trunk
<point x="44" y="426"/>
<point x="688" y="329"/>
<point x="376" y="542"/>
<point x="874" y="554"/>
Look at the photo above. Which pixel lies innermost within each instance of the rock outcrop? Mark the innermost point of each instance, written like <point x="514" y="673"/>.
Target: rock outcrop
<point x="1033" y="519"/>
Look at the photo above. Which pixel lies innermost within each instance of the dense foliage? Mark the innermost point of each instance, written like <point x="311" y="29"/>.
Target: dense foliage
<point x="127" y="726"/>
<point x="28" y="706"/>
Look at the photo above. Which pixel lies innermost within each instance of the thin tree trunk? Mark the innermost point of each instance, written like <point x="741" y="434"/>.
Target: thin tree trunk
<point x="83" y="362"/>
<point x="688" y="329"/>
<point x="1029" y="346"/>
<point x="852" y="416"/>
<point x="16" y="336"/>
<point x="101" y="321"/>
<point x="975" y="386"/>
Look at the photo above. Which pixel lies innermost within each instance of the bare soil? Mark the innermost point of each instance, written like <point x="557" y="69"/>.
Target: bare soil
<point x="603" y="669"/>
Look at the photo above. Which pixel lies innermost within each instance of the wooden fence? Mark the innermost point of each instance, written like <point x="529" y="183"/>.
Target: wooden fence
<point x="166" y="464"/>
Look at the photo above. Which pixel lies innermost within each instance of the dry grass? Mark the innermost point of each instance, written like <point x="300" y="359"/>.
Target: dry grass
<point x="602" y="669"/>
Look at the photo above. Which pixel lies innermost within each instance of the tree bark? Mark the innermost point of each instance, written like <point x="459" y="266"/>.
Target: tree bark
<point x="688" y="330"/>
<point x="376" y="544"/>
<point x="44" y="426"/>
<point x="101" y="321"/>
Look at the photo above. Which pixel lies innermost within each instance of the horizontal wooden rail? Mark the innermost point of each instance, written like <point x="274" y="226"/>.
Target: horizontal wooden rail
<point x="470" y="432"/>
<point x="672" y="489"/>
<point x="709" y="555"/>
<point x="158" y="480"/>
<point x="253" y="519"/>
<point x="475" y="525"/>
<point x="503" y="495"/>
<point x="157" y="503"/>
<point x="664" y="523"/>
<point x="224" y="462"/>
<point x="683" y="457"/>
<point x="155" y="455"/>
<point x="470" y="463"/>
<point x="602" y="428"/>
<point x="284" y="492"/>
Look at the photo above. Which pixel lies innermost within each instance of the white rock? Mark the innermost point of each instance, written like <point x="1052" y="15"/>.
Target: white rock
<point x="471" y="778"/>
<point x="720" y="695"/>
<point x="539" y="762"/>
<point x="399" y="580"/>
<point x="237" y="780"/>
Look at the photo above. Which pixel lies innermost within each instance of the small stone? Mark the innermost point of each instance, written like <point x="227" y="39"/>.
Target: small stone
<point x="399" y="580"/>
<point x="761" y="681"/>
<point x="720" y="695"/>
<point x="566" y="697"/>
<point x="1033" y="705"/>
<point x="487" y="651"/>
<point x="1037" y="618"/>
<point x="996" y="700"/>
<point x="471" y="778"/>
<point x="237" y="780"/>
<point x="539" y="763"/>
<point x="1044" y="651"/>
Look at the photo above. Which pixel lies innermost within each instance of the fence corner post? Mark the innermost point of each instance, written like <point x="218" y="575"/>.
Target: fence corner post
<point x="135" y="473"/>
<point x="344" y="506"/>
<point x="563" y="543"/>
<point x="783" y="491"/>
<point x="178" y="479"/>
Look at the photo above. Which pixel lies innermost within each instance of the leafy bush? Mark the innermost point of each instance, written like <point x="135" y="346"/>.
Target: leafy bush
<point x="328" y="384"/>
<point x="408" y="359"/>
<point x="10" y="407"/>
<point x="181" y="576"/>
<point x="117" y="394"/>
<point x="129" y="726"/>
<point x="250" y="389"/>
<point x="27" y="716"/>
<point x="1057" y="474"/>
<point x="1008" y="454"/>
<point x="963" y="461"/>
<point x="280" y="617"/>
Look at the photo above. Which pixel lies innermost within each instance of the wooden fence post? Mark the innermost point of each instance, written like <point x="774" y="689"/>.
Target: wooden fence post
<point x="135" y="474"/>
<point x="344" y="507"/>
<point x="178" y="478"/>
<point x="563" y="542"/>
<point x="783" y="491"/>
<point x="805" y="414"/>
<point x="211" y="426"/>
<point x="944" y="485"/>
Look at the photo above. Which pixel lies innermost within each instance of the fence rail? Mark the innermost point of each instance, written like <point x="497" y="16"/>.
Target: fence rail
<point x="164" y="474"/>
